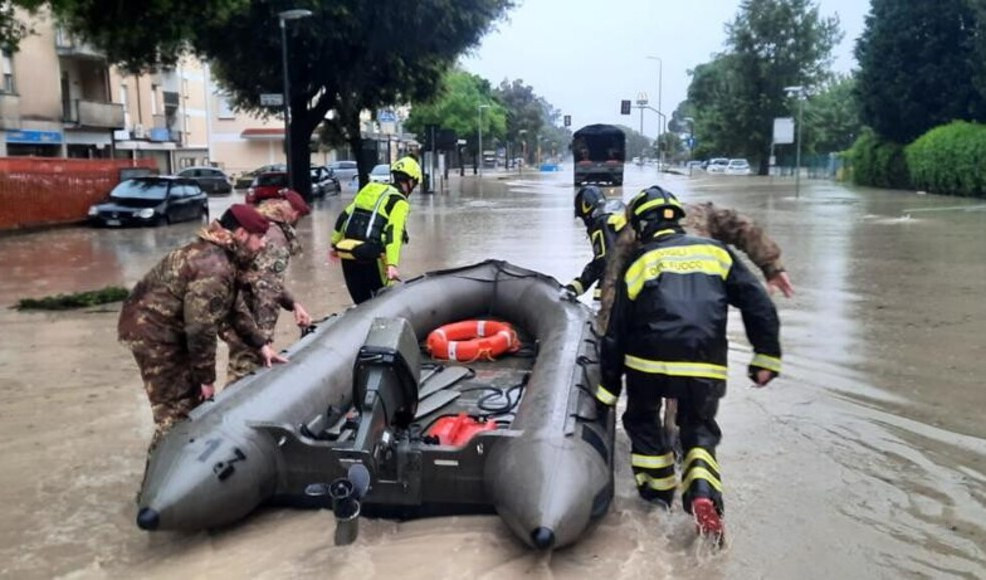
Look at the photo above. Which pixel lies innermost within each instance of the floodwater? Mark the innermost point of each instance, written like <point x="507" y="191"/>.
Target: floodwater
<point x="866" y="459"/>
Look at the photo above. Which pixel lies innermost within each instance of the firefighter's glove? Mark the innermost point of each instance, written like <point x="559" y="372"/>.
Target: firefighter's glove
<point x="760" y="376"/>
<point x="568" y="292"/>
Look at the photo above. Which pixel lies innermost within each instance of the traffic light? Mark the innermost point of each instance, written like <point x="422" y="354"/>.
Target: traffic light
<point x="568" y="120"/>
<point x="625" y="107"/>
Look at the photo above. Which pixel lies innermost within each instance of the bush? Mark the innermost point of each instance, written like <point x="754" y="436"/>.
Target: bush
<point x="950" y="159"/>
<point x="77" y="300"/>
<point x="879" y="163"/>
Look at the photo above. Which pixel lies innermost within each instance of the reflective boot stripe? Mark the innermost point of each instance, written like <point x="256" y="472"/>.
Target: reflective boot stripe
<point x="704" y="474"/>
<point x="651" y="461"/>
<point x="655" y="483"/>
<point x="605" y="397"/>
<point x="699" y="454"/>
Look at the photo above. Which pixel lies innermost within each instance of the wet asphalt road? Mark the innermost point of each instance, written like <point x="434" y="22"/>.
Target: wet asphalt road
<point x="866" y="459"/>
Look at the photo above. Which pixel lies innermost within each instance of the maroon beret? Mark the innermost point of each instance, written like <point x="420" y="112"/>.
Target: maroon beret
<point x="297" y="202"/>
<point x="249" y="218"/>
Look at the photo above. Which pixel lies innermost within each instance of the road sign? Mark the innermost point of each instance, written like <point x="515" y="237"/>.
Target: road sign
<point x="385" y="116"/>
<point x="625" y="107"/>
<point x="271" y="100"/>
<point x="568" y="120"/>
<point x="783" y="130"/>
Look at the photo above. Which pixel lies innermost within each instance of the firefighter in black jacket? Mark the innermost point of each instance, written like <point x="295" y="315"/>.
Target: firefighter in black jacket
<point x="667" y="331"/>
<point x="603" y="219"/>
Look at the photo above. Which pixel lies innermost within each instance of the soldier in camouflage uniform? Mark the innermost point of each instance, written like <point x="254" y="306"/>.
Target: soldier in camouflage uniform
<point x="171" y="318"/>
<point x="260" y="289"/>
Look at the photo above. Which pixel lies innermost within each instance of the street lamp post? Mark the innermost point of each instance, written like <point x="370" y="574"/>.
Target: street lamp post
<point x="283" y="17"/>
<point x="479" y="152"/>
<point x="660" y="88"/>
<point x="798" y="91"/>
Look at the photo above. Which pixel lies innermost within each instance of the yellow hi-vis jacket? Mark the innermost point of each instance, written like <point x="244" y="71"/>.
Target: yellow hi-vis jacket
<point x="378" y="215"/>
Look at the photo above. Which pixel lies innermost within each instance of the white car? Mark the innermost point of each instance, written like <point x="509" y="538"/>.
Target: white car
<point x="717" y="165"/>
<point x="738" y="167"/>
<point x="380" y="174"/>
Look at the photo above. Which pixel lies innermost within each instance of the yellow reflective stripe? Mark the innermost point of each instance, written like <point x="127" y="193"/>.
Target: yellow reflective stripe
<point x="694" y="259"/>
<point x="676" y="369"/>
<point x="655" y="203"/>
<point x="617" y="220"/>
<point x="605" y="397"/>
<point x="656" y="483"/>
<point x="597" y="238"/>
<point x="578" y="286"/>
<point x="701" y="473"/>
<point x="770" y="363"/>
<point x="663" y="233"/>
<point x="697" y="453"/>
<point x="597" y="293"/>
<point x="651" y="461"/>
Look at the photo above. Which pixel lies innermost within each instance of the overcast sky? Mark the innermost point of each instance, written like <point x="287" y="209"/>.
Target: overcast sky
<point x="584" y="56"/>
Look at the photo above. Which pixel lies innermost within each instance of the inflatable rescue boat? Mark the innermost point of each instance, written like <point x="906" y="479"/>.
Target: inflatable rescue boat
<point x="363" y="421"/>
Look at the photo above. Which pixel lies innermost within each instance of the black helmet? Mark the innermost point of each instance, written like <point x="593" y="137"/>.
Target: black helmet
<point x="587" y="200"/>
<point x="654" y="205"/>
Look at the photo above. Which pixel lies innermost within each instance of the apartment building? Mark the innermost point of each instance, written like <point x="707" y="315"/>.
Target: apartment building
<point x="61" y="98"/>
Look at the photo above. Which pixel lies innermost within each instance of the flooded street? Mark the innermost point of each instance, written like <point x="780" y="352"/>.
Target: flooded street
<point x="866" y="459"/>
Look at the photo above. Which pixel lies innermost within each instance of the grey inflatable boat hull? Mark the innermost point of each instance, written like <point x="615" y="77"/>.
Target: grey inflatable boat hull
<point x="548" y="474"/>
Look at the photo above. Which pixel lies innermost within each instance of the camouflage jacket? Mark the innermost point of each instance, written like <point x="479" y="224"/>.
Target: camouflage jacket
<point x="260" y="288"/>
<point x="705" y="220"/>
<point x="179" y="304"/>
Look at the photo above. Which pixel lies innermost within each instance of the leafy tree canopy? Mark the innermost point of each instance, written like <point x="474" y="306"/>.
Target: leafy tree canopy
<point x="349" y="56"/>
<point x="919" y="66"/>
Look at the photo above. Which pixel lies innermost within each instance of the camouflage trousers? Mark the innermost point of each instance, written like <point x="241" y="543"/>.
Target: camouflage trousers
<point x="168" y="383"/>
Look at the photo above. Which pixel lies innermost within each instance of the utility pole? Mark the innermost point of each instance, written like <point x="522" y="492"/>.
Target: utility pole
<point x="799" y="92"/>
<point x="283" y="17"/>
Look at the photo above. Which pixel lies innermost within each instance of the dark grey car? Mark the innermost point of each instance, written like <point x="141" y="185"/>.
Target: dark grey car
<point x="151" y="201"/>
<point x="324" y="182"/>
<point x="210" y="179"/>
<point x="344" y="171"/>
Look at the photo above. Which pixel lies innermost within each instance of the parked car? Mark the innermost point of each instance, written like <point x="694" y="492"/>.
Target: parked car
<point x="738" y="167"/>
<point x="380" y="173"/>
<point x="266" y="186"/>
<point x="344" y="171"/>
<point x="210" y="179"/>
<point x="717" y="165"/>
<point x="245" y="180"/>
<point x="151" y="201"/>
<point x="324" y="182"/>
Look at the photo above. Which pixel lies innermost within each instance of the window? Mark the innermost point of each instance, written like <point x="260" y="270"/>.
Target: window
<point x="225" y="107"/>
<point x="7" y="70"/>
<point x="154" y="107"/>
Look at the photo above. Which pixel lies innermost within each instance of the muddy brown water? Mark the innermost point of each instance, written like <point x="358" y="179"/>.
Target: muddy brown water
<point x="866" y="459"/>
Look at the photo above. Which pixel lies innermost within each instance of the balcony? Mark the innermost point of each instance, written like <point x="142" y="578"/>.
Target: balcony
<point x="93" y="115"/>
<point x="68" y="46"/>
<point x="10" y="111"/>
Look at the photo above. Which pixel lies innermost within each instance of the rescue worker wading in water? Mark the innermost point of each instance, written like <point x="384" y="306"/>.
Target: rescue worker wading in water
<point x="612" y="242"/>
<point x="370" y="232"/>
<point x="667" y="332"/>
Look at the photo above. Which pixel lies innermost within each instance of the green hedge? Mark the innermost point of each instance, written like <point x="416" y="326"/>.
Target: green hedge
<point x="879" y="163"/>
<point x="950" y="159"/>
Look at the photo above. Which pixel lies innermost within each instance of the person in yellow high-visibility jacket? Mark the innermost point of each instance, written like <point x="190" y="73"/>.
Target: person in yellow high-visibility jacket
<point x="370" y="232"/>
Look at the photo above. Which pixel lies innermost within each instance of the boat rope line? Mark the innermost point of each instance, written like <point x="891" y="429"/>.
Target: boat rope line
<point x="496" y="393"/>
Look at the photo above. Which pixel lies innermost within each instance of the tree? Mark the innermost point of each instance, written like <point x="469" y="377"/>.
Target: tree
<point x="12" y="30"/>
<point x="774" y="44"/>
<point x="526" y="114"/>
<point x="349" y="56"/>
<point x="456" y="107"/>
<point x="832" y="117"/>
<point x="919" y="67"/>
<point x="637" y="145"/>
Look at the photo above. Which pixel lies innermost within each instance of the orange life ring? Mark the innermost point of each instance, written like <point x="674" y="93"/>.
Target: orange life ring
<point x="471" y="340"/>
